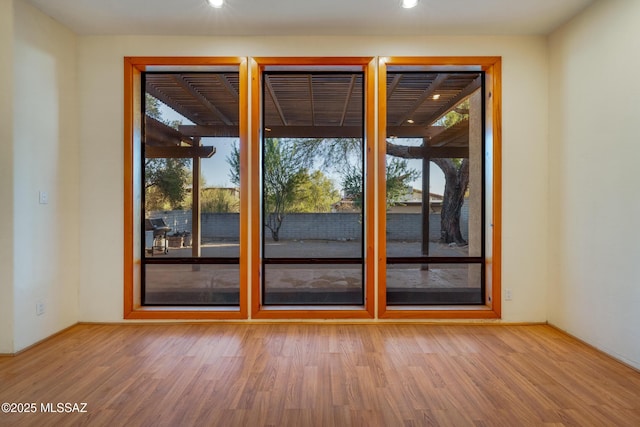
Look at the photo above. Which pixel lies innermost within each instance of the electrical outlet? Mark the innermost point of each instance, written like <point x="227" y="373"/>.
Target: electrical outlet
<point x="43" y="197"/>
<point x="507" y="294"/>
<point x="40" y="308"/>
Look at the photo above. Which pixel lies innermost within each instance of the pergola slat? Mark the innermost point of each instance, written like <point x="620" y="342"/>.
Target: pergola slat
<point x="312" y="105"/>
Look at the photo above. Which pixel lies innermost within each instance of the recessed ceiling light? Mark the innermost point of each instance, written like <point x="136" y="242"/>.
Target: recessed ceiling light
<point x="216" y="3"/>
<point x="436" y="96"/>
<point x="408" y="4"/>
<point x="410" y="121"/>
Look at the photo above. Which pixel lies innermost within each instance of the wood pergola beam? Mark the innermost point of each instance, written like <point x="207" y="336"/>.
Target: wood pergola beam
<point x="422" y="98"/>
<point x="274" y="98"/>
<point x="464" y="93"/>
<point x="315" y="132"/>
<point x="210" y="131"/>
<point x="160" y="134"/>
<point x="166" y="99"/>
<point x="202" y="152"/>
<point x="182" y="82"/>
<point x="352" y="85"/>
<point x="311" y="100"/>
<point x="225" y="82"/>
<point x="451" y="136"/>
<point x="394" y="84"/>
<point x="308" y="131"/>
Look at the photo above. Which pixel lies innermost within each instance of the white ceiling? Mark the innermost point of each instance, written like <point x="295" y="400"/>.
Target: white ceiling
<point x="311" y="17"/>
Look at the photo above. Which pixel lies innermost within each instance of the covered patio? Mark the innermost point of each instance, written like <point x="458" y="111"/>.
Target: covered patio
<point x="303" y="104"/>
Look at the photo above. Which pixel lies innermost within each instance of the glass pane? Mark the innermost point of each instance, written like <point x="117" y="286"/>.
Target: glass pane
<point x="434" y="164"/>
<point x="167" y="206"/>
<point x="411" y="284"/>
<point x="220" y="200"/>
<point x="305" y="200"/>
<point x="191" y="141"/>
<point x="315" y="285"/>
<point x="192" y="187"/>
<point x="168" y="284"/>
<point x="313" y="186"/>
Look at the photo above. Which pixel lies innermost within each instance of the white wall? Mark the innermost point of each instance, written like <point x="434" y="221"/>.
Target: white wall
<point x="594" y="156"/>
<point x="45" y="158"/>
<point x="525" y="147"/>
<point x="6" y="176"/>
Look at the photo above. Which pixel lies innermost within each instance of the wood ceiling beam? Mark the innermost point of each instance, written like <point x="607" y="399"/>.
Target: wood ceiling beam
<point x="311" y="101"/>
<point x="274" y="98"/>
<point x="183" y="83"/>
<point x="445" y="134"/>
<point x="394" y="84"/>
<point x="159" y="134"/>
<point x="451" y="135"/>
<point x="308" y="131"/>
<point x="225" y="82"/>
<point x="314" y="132"/>
<point x="352" y="85"/>
<point x="203" y="152"/>
<point x="158" y="94"/>
<point x="344" y="132"/>
<point x="464" y="93"/>
<point x="210" y="131"/>
<point x="425" y="95"/>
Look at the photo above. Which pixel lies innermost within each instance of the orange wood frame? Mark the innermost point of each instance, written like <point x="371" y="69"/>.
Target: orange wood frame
<point x="375" y="211"/>
<point x="493" y="138"/>
<point x="258" y="66"/>
<point x="133" y="67"/>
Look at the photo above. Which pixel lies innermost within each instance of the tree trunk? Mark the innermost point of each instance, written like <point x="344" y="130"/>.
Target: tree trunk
<point x="456" y="183"/>
<point x="273" y="223"/>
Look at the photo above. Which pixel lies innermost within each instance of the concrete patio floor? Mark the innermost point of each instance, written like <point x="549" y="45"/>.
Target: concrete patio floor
<point x="175" y="277"/>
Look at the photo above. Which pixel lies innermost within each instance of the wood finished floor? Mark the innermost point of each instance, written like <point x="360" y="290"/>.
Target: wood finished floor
<point x="320" y="375"/>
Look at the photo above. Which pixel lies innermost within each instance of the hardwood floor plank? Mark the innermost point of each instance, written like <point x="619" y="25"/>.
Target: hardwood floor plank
<point x="320" y="375"/>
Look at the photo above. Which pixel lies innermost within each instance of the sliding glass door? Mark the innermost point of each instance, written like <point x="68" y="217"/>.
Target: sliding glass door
<point x="312" y="187"/>
<point x="192" y="189"/>
<point x="434" y="187"/>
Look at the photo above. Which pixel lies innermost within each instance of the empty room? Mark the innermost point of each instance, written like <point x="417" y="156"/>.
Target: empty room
<point x="334" y="213"/>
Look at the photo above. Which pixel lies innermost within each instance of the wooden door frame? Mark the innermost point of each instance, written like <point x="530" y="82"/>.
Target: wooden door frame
<point x="492" y="68"/>
<point x="375" y="306"/>
<point x="133" y="69"/>
<point x="258" y="311"/>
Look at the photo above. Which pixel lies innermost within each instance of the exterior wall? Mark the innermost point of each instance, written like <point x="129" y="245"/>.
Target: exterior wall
<point x="408" y="227"/>
<point x="311" y="226"/>
<point x="593" y="241"/>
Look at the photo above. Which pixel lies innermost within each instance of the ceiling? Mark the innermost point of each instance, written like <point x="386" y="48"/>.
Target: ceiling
<point x="311" y="17"/>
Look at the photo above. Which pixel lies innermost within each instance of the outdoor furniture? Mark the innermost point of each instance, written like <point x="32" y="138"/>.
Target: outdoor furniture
<point x="159" y="240"/>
